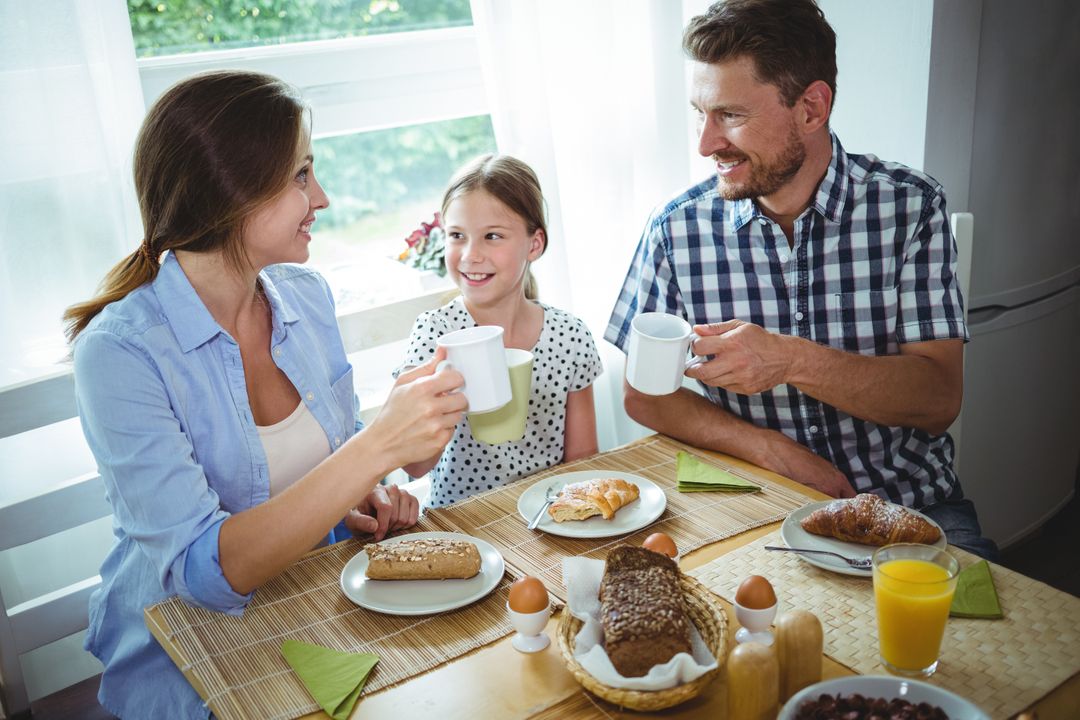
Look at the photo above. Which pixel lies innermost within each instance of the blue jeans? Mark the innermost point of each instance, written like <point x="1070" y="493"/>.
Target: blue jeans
<point x="958" y="519"/>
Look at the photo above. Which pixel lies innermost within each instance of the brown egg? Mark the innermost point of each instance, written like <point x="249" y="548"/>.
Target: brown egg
<point x="528" y="595"/>
<point x="661" y="543"/>
<point x="755" y="593"/>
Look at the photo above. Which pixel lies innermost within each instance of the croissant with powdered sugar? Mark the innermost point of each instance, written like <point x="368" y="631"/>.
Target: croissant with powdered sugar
<point x="582" y="500"/>
<point x="869" y="520"/>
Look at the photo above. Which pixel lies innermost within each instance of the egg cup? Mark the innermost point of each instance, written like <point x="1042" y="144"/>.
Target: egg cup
<point x="530" y="635"/>
<point x="755" y="624"/>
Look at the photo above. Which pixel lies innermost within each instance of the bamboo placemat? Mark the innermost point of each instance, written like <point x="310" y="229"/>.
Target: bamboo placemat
<point x="1002" y="665"/>
<point x="238" y="660"/>
<point x="691" y="519"/>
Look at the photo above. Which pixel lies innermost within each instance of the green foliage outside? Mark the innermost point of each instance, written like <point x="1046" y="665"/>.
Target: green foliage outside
<point x="376" y="172"/>
<point x="167" y="27"/>
<point x="381" y="183"/>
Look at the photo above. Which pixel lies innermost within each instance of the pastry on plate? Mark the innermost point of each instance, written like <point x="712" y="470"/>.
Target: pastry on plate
<point x="601" y="496"/>
<point x="869" y="520"/>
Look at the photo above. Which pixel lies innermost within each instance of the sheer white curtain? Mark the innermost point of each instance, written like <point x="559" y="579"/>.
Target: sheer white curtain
<point x="71" y="105"/>
<point x="592" y="95"/>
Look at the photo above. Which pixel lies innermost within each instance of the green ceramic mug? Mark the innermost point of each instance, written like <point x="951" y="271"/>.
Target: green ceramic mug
<point x="508" y="422"/>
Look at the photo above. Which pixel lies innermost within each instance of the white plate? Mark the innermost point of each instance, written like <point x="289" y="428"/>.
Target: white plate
<point x="649" y="506"/>
<point x="888" y="687"/>
<point x="794" y="536"/>
<point x="421" y="597"/>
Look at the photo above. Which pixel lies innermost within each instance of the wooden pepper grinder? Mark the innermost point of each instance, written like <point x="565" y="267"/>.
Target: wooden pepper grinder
<point x="753" y="682"/>
<point x="799" y="641"/>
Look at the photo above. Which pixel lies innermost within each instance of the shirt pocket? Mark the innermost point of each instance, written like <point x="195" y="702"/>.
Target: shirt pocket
<point x="344" y="394"/>
<point x="864" y="321"/>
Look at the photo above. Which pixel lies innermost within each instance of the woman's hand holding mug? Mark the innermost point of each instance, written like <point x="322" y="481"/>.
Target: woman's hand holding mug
<point x="419" y="416"/>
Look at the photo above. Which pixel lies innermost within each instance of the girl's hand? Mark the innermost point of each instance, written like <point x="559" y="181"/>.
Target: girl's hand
<point x="418" y="418"/>
<point x="386" y="508"/>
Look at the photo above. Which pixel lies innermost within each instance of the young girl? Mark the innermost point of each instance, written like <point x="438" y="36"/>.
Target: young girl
<point x="493" y="213"/>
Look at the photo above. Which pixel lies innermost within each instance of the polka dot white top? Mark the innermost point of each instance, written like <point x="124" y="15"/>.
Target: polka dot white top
<point x="564" y="360"/>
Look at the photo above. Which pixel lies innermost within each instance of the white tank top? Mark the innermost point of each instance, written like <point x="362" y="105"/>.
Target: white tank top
<point x="293" y="447"/>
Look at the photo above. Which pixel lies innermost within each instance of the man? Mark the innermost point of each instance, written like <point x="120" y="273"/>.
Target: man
<point x="821" y="284"/>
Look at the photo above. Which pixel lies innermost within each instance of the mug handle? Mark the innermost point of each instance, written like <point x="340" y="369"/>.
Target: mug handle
<point x="692" y="360"/>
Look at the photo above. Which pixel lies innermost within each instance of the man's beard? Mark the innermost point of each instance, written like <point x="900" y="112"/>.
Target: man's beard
<point x="766" y="179"/>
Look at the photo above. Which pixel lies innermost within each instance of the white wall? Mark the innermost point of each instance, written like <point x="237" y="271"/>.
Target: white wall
<point x="883" y="73"/>
<point x="883" y="76"/>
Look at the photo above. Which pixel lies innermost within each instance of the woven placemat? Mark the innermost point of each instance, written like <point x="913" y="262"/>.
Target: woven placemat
<point x="238" y="659"/>
<point x="1003" y="665"/>
<point x="691" y="519"/>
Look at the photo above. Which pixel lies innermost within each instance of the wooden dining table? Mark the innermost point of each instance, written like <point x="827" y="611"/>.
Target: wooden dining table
<point x="496" y="681"/>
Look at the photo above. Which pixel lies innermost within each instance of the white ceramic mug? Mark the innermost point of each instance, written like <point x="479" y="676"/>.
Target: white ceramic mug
<point x="508" y="422"/>
<point x="477" y="353"/>
<point x="658" y="353"/>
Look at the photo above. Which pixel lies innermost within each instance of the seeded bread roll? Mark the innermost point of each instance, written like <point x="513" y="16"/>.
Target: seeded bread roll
<point x="642" y="611"/>
<point x="426" y="559"/>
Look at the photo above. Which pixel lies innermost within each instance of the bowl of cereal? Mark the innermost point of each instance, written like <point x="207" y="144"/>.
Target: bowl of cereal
<point x="866" y="695"/>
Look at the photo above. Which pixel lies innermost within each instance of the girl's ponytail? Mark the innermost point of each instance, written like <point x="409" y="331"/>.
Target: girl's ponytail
<point x="532" y="288"/>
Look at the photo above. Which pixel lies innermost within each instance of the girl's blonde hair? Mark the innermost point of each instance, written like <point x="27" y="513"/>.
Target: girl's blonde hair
<point x="213" y="149"/>
<point x="515" y="185"/>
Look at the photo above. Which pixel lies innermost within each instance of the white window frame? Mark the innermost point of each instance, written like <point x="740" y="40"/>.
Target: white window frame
<point x="356" y="85"/>
<point x="353" y="85"/>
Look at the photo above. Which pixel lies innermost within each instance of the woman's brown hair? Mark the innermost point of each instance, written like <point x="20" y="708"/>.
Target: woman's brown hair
<point x="511" y="182"/>
<point x="212" y="149"/>
<point x="790" y="42"/>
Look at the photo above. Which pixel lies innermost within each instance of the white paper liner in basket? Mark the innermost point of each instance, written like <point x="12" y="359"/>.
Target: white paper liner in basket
<point x="582" y="577"/>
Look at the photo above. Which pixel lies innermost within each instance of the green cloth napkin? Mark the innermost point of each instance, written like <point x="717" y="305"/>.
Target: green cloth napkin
<point x="693" y="475"/>
<point x="333" y="678"/>
<point x="975" y="595"/>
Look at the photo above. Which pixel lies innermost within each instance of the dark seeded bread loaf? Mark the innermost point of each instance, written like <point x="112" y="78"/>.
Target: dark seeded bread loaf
<point x="642" y="612"/>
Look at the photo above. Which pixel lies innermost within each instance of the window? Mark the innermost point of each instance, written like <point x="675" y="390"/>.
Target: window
<point x="398" y="103"/>
<point x="397" y="98"/>
<point x="163" y="27"/>
<point x="382" y="184"/>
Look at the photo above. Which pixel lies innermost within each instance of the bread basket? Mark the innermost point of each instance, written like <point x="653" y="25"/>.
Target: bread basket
<point x="704" y="610"/>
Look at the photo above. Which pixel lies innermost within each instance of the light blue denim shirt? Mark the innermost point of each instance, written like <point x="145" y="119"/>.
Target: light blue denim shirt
<point x="164" y="406"/>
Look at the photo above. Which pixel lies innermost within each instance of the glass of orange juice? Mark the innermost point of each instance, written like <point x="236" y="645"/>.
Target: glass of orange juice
<point x="913" y="589"/>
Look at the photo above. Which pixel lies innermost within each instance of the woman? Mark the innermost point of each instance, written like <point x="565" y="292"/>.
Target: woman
<point x="213" y="386"/>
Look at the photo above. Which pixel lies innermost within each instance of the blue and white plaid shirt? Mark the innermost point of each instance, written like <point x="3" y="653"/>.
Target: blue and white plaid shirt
<point x="873" y="266"/>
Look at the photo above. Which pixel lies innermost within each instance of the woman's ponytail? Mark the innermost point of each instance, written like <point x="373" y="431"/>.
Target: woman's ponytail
<point x="212" y="150"/>
<point x="134" y="271"/>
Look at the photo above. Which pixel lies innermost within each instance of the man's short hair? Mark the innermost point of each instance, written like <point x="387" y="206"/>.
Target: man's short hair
<point x="789" y="41"/>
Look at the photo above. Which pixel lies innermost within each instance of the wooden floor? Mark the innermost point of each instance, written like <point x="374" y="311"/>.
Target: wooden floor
<point x="1049" y="556"/>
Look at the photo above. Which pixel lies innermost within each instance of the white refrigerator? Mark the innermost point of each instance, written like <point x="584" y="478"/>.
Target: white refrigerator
<point x="1020" y="446"/>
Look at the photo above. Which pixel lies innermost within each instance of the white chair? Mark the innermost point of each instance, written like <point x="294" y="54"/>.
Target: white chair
<point x="963" y="230"/>
<point x="69" y="503"/>
<point x="41" y="620"/>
